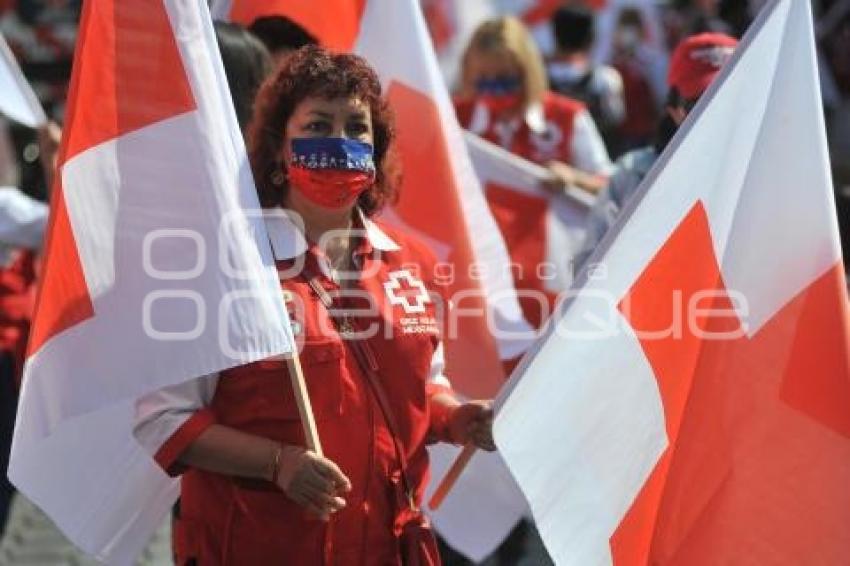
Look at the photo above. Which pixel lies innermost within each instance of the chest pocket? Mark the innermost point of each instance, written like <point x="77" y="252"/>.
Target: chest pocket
<point x="263" y="392"/>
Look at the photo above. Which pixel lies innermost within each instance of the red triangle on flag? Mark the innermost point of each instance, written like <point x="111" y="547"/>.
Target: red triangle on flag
<point x="128" y="74"/>
<point x="730" y="405"/>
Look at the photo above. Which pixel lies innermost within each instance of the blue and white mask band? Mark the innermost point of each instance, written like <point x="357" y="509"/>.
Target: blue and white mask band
<point x="332" y="153"/>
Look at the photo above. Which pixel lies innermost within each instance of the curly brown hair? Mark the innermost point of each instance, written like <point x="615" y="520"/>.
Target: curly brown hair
<point x="316" y="72"/>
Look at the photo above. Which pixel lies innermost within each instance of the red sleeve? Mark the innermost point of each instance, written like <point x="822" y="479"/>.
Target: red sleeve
<point x="188" y="432"/>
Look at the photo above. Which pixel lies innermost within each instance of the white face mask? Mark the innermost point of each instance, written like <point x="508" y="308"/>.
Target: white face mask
<point x="567" y="71"/>
<point x="628" y="38"/>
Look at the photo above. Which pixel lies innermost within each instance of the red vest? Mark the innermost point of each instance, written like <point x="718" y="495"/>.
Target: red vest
<point x="229" y="522"/>
<point x="554" y="143"/>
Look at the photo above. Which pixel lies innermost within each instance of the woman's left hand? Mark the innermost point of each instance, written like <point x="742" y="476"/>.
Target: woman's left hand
<point x="472" y="423"/>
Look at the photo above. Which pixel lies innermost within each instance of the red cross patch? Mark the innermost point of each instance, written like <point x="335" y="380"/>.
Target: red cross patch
<point x="405" y="290"/>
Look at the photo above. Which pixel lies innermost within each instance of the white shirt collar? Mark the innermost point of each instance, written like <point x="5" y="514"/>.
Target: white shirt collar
<point x="535" y="118"/>
<point x="286" y="233"/>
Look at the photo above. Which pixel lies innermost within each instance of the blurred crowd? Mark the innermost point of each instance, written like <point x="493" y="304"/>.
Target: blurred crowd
<point x="604" y="72"/>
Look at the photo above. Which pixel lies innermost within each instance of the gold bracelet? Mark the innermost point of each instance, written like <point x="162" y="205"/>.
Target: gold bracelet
<point x="275" y="467"/>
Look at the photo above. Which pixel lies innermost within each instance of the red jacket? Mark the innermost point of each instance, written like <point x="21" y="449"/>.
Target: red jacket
<point x="540" y="138"/>
<point x="227" y="521"/>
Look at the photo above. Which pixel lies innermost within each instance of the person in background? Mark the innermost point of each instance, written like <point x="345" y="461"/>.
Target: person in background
<point x="505" y="98"/>
<point x="573" y="73"/>
<point x="694" y="65"/>
<point x="636" y="64"/>
<point x="834" y="48"/>
<point x="281" y="35"/>
<point x="246" y="63"/>
<point x="692" y="17"/>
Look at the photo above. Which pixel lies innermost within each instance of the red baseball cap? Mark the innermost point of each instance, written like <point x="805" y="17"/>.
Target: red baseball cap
<point x="697" y="60"/>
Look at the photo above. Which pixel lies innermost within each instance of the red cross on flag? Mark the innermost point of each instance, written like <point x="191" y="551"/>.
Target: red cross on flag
<point x="691" y="404"/>
<point x="154" y="272"/>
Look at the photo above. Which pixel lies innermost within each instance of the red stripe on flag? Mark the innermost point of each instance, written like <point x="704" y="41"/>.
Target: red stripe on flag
<point x="335" y="23"/>
<point x="128" y="73"/>
<point x="430" y="204"/>
<point x="522" y="221"/>
<point x="63" y="296"/>
<point x="683" y="266"/>
<point x="751" y="471"/>
<point x="758" y="426"/>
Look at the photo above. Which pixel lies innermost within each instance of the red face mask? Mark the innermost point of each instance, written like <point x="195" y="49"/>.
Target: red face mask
<point x="500" y="94"/>
<point x="331" y="172"/>
<point x="501" y="103"/>
<point x="330" y="188"/>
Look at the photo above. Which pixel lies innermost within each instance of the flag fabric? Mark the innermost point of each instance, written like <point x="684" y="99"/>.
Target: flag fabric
<point x="486" y="504"/>
<point x="335" y="23"/>
<point x="156" y="269"/>
<point x="543" y="231"/>
<point x="18" y="102"/>
<point x="691" y="403"/>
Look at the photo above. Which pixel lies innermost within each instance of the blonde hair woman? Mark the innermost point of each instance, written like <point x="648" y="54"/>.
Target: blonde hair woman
<point x="505" y="98"/>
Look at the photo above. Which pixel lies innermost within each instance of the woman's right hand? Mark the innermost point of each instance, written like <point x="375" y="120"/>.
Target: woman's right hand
<point x="312" y="481"/>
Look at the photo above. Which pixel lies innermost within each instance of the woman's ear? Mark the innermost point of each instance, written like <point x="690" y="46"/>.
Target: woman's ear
<point x="278" y="175"/>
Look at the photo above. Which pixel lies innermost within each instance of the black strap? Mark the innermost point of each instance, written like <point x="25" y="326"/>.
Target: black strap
<point x="368" y="362"/>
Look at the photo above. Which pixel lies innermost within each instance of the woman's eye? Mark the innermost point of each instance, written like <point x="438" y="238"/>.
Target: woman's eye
<point x="317" y="127"/>
<point x="358" y="129"/>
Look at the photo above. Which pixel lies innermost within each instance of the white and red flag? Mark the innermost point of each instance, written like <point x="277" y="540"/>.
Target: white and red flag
<point x="154" y="271"/>
<point x="543" y="231"/>
<point x="691" y="403"/>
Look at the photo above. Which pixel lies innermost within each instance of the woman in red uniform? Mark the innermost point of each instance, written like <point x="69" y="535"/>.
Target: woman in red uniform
<point x="505" y="98"/>
<point x="320" y="146"/>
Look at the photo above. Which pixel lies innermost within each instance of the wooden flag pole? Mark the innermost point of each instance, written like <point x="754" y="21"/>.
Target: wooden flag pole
<point x="452" y="476"/>
<point x="302" y="398"/>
